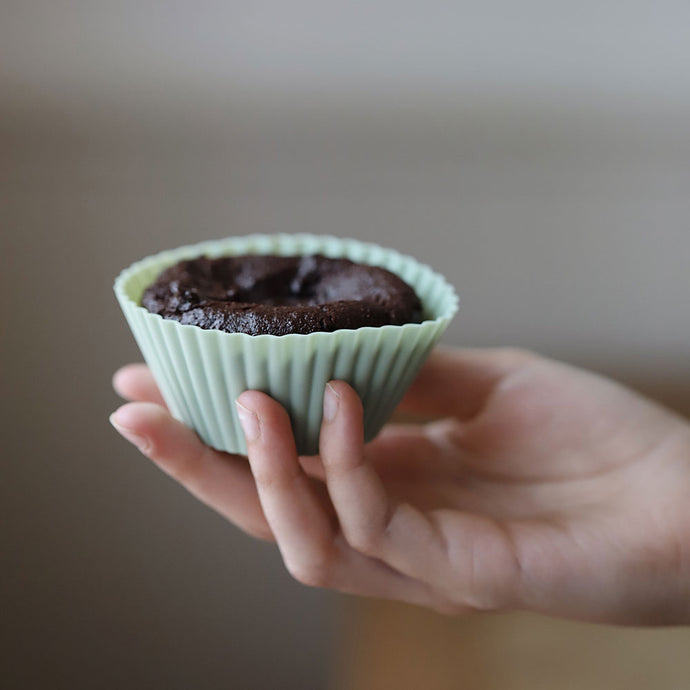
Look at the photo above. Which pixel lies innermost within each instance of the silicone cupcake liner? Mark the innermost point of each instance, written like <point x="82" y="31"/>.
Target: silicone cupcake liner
<point x="201" y="372"/>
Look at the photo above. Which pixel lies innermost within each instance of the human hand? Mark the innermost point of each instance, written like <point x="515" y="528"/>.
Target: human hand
<point x="545" y="488"/>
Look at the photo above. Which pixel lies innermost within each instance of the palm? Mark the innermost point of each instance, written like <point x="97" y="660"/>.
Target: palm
<point x="551" y="456"/>
<point x="540" y="434"/>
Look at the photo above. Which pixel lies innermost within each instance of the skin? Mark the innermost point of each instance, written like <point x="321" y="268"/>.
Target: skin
<point x="538" y="487"/>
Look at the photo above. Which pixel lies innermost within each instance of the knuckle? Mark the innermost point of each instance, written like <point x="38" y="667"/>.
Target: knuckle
<point x="263" y="478"/>
<point x="313" y="573"/>
<point x="367" y="542"/>
<point x="275" y="478"/>
<point x="186" y="470"/>
<point x="373" y="538"/>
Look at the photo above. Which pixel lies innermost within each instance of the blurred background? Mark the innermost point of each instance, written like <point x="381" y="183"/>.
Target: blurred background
<point x="538" y="154"/>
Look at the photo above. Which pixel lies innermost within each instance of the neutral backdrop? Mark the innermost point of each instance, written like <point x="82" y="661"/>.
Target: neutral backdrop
<point x="540" y="160"/>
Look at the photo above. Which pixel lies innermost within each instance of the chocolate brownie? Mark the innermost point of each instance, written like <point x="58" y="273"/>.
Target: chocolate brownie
<point x="259" y="294"/>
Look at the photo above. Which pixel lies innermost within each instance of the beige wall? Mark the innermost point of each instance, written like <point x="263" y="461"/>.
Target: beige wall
<point x="563" y="222"/>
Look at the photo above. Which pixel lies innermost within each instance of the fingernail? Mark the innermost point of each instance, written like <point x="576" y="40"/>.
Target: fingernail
<point x="249" y="421"/>
<point x="331" y="401"/>
<point x="140" y="441"/>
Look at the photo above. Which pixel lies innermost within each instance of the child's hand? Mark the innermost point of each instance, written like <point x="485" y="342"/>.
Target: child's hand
<point x="546" y="488"/>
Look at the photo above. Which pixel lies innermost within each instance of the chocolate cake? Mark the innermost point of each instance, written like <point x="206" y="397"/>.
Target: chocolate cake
<point x="278" y="295"/>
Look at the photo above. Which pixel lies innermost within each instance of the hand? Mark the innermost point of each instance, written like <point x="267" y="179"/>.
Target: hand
<point x="545" y="488"/>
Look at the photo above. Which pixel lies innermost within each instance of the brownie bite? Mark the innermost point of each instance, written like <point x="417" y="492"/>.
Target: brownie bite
<point x="279" y="295"/>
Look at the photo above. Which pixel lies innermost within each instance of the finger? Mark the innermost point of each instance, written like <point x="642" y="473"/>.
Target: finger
<point x="298" y="518"/>
<point x="400" y="535"/>
<point x="302" y="521"/>
<point x="135" y="382"/>
<point x="469" y="558"/>
<point x="456" y="382"/>
<point x="222" y="481"/>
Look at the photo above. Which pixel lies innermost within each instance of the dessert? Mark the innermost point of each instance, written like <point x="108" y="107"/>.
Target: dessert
<point x="277" y="295"/>
<point x="201" y="370"/>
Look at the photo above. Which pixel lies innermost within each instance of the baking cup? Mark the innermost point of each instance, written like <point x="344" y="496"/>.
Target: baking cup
<point x="201" y="372"/>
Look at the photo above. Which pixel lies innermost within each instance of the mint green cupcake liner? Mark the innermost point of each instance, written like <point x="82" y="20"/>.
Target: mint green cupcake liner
<point x="202" y="372"/>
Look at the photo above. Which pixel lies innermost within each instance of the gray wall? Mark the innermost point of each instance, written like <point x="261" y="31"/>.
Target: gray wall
<point x="543" y="165"/>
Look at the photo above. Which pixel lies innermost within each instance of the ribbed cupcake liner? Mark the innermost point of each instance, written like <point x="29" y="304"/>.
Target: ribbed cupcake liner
<point x="201" y="372"/>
